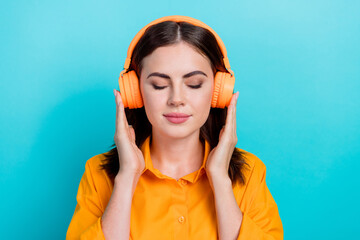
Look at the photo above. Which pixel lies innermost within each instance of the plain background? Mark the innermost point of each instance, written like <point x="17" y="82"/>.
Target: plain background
<point x="297" y="67"/>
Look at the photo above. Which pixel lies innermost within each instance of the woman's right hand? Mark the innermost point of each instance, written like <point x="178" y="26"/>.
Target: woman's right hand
<point x="131" y="159"/>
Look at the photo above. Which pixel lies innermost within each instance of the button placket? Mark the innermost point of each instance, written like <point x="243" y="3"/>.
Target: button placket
<point x="180" y="210"/>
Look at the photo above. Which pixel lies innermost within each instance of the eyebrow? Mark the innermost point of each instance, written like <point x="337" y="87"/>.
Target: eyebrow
<point x="162" y="75"/>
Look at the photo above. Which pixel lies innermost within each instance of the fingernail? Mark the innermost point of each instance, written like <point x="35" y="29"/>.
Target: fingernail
<point x="114" y="92"/>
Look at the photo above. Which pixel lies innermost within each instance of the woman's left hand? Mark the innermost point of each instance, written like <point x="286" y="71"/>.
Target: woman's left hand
<point x="219" y="158"/>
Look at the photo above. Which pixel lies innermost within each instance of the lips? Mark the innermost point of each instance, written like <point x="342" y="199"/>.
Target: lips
<point x="177" y="117"/>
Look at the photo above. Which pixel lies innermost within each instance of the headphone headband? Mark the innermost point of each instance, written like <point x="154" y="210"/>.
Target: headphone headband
<point x="177" y="18"/>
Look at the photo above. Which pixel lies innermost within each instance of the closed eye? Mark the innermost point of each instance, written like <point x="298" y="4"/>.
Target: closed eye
<point x="162" y="87"/>
<point x="158" y="87"/>
<point x="196" y="86"/>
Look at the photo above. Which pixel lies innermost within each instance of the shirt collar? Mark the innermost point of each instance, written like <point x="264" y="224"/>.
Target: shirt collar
<point x="192" y="177"/>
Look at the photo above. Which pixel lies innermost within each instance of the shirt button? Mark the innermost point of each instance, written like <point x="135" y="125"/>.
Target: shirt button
<point x="181" y="219"/>
<point x="183" y="182"/>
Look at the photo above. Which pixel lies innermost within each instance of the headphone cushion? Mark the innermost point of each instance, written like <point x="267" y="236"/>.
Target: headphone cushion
<point x="130" y="90"/>
<point x="223" y="89"/>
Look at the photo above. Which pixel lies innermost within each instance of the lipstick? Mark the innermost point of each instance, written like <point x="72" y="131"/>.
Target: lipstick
<point x="177" y="118"/>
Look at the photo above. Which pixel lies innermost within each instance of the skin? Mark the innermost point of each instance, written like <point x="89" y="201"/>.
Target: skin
<point x="176" y="149"/>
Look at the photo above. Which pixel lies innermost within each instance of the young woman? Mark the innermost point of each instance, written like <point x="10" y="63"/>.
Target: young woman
<point x="174" y="171"/>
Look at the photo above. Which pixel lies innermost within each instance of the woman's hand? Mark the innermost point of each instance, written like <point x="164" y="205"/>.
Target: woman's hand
<point x="219" y="158"/>
<point x="131" y="159"/>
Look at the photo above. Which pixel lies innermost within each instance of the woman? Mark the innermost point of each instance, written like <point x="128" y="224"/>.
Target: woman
<point x="175" y="172"/>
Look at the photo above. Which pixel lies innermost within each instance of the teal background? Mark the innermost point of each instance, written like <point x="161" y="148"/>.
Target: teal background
<point x="297" y="67"/>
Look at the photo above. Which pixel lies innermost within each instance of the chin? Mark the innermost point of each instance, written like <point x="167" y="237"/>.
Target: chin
<point x="177" y="132"/>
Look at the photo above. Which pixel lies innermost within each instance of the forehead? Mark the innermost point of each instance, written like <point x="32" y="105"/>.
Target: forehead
<point x="179" y="57"/>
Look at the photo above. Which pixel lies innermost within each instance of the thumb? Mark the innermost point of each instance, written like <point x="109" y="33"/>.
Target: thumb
<point x="132" y="133"/>
<point x="221" y="131"/>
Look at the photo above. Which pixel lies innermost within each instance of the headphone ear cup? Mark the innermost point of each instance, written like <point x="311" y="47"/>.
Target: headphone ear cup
<point x="223" y="90"/>
<point x="130" y="90"/>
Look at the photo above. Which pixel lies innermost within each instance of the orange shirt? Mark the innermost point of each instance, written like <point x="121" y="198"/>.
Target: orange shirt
<point x="163" y="208"/>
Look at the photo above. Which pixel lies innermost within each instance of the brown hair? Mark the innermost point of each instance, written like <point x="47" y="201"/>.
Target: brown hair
<point x="203" y="41"/>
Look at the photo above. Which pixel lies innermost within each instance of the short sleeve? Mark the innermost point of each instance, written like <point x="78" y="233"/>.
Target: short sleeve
<point x="261" y="219"/>
<point x="86" y="221"/>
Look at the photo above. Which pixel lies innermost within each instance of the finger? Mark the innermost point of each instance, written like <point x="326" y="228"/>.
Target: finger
<point x="230" y="114"/>
<point x="234" y="119"/>
<point x="221" y="132"/>
<point x="132" y="133"/>
<point x="121" y="120"/>
<point x="229" y="130"/>
<point x="234" y="112"/>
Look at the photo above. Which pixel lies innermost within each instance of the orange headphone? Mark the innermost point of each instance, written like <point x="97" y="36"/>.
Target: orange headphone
<point x="129" y="82"/>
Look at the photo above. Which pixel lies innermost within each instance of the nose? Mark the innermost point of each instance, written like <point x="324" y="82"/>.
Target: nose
<point x="176" y="97"/>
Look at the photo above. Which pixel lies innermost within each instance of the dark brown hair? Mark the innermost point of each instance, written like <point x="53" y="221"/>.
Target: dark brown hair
<point x="203" y="41"/>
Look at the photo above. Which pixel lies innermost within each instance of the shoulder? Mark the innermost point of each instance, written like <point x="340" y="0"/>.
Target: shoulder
<point x="254" y="173"/>
<point x="96" y="180"/>
<point x="96" y="160"/>
<point x="94" y="170"/>
<point x="254" y="166"/>
<point x="94" y="163"/>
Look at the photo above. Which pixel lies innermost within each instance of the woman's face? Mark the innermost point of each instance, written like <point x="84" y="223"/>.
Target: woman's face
<point x="176" y="79"/>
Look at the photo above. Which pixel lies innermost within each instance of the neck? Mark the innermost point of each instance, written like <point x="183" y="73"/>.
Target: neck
<point x="176" y="155"/>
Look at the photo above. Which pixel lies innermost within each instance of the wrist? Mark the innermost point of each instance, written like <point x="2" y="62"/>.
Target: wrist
<point x="217" y="175"/>
<point x="216" y="178"/>
<point x="127" y="176"/>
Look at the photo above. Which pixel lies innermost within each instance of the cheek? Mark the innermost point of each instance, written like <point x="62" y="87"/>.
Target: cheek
<point x="202" y="104"/>
<point x="153" y="99"/>
<point x="152" y="104"/>
<point x="203" y="98"/>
